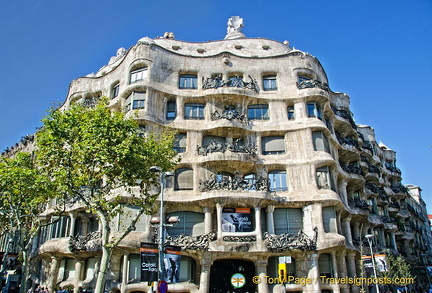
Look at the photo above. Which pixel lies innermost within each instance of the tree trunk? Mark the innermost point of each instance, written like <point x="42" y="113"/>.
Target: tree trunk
<point x="105" y="258"/>
<point x="25" y="271"/>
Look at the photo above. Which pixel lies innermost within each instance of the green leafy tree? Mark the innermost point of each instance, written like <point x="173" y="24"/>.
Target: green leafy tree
<point x="397" y="268"/>
<point x="102" y="160"/>
<point x="24" y="192"/>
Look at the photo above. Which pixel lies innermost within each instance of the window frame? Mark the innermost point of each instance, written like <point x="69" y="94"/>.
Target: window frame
<point x="188" y="81"/>
<point x="280" y="180"/>
<point x="197" y="109"/>
<point x="325" y="170"/>
<point x="169" y="105"/>
<point x="115" y="90"/>
<point x="268" y="139"/>
<point x="316" y="112"/>
<point x="325" y="147"/>
<point x="176" y="177"/>
<point x="269" y="82"/>
<point x="262" y="109"/>
<point x="138" y="74"/>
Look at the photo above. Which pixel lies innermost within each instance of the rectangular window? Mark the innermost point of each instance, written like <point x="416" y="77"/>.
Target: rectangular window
<point x="115" y="91"/>
<point x="138" y="74"/>
<point x="188" y="81"/>
<point x="171" y="110"/>
<point x="324" y="178"/>
<point x="289" y="220"/>
<point x="329" y="219"/>
<point x="136" y="100"/>
<point x="190" y="224"/>
<point x="291" y="113"/>
<point x="273" y="145"/>
<point x="134" y="267"/>
<point x="258" y="112"/>
<point x="180" y="143"/>
<point x="278" y="180"/>
<point x="320" y="142"/>
<point x="314" y="110"/>
<point x="69" y="269"/>
<point x="194" y="111"/>
<point x="269" y="83"/>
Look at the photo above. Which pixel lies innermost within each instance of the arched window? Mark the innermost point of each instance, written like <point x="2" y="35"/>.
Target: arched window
<point x="183" y="179"/>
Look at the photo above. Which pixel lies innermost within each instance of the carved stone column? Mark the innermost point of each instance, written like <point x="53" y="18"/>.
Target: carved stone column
<point x="342" y="270"/>
<point x="261" y="271"/>
<point x="312" y="264"/>
<point x="79" y="267"/>
<point x="219" y="220"/>
<point x="207" y="220"/>
<point x="53" y="275"/>
<point x="258" y="229"/>
<point x="347" y="229"/>
<point x="356" y="230"/>
<point x="72" y="217"/>
<point x="270" y="219"/>
<point x="352" y="269"/>
<point x="393" y="240"/>
<point x="204" y="284"/>
<point x="335" y="271"/>
<point x="343" y="191"/>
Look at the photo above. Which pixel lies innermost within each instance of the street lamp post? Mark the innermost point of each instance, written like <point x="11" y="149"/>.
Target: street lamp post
<point x="368" y="237"/>
<point x="161" y="241"/>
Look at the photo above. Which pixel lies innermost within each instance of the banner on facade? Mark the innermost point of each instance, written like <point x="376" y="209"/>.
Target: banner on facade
<point x="381" y="262"/>
<point x="149" y="262"/>
<point x="172" y="258"/>
<point x="367" y="261"/>
<point x="237" y="220"/>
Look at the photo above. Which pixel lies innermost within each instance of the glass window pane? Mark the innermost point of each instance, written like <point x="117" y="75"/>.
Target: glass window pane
<point x="134" y="267"/>
<point x="278" y="180"/>
<point x="273" y="145"/>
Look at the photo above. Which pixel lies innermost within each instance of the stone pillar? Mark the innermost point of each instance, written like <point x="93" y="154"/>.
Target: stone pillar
<point x="204" y="284"/>
<point x="393" y="240"/>
<point x="219" y="220"/>
<point x="313" y="274"/>
<point x="207" y="220"/>
<point x="341" y="263"/>
<point x="347" y="229"/>
<point x="125" y="273"/>
<point x="261" y="271"/>
<point x="352" y="269"/>
<point x="72" y="224"/>
<point x="343" y="191"/>
<point x="258" y="229"/>
<point x="270" y="219"/>
<point x="336" y="287"/>
<point x="356" y="230"/>
<point x="53" y="274"/>
<point x="79" y="267"/>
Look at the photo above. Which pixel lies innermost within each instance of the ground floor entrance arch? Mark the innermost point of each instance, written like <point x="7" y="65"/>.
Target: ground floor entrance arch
<point x="222" y="272"/>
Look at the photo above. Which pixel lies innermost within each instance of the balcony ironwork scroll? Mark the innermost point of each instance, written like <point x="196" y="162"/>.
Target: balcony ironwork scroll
<point x="239" y="238"/>
<point x="79" y="242"/>
<point x="358" y="203"/>
<point x="346" y="114"/>
<point x="372" y="187"/>
<point x="200" y="242"/>
<point x="393" y="169"/>
<point x="312" y="83"/>
<point x="347" y="140"/>
<point x="352" y="168"/>
<point x="388" y="220"/>
<point x="374" y="169"/>
<point x="290" y="242"/>
<point x="217" y="147"/>
<point x="399" y="189"/>
<point x="229" y="115"/>
<point x="236" y="81"/>
<point x="382" y="194"/>
<point x="236" y="183"/>
<point x="368" y="146"/>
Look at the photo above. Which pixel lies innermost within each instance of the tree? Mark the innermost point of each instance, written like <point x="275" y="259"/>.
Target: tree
<point x="24" y="192"/>
<point x="102" y="160"/>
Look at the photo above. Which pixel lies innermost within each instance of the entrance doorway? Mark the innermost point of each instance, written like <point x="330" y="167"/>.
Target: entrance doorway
<point x="222" y="271"/>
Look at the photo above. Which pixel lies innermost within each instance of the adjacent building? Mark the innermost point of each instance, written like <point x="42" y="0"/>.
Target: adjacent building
<point x="274" y="172"/>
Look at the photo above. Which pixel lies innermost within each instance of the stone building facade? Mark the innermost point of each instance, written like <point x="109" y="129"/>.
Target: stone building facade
<point x="273" y="170"/>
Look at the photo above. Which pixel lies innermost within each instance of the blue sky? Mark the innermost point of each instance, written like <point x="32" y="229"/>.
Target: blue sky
<point x="378" y="52"/>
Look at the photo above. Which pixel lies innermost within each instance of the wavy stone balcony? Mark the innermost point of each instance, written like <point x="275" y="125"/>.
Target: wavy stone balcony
<point x="345" y="116"/>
